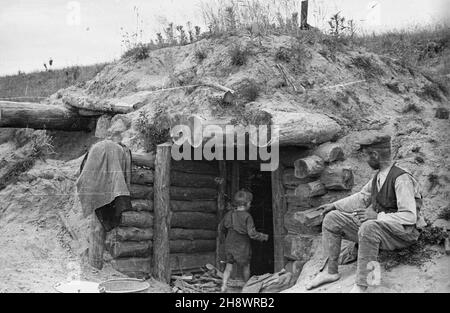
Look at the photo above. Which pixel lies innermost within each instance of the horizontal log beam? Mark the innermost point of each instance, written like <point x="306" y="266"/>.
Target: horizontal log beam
<point x="132" y="234"/>
<point x="194" y="220"/>
<point x="198" y="167"/>
<point x="192" y="246"/>
<point x="137" y="219"/>
<point x="143" y="159"/>
<point x="42" y="116"/>
<point x="131" y="249"/>
<point x="145" y="176"/>
<point x="191" y="234"/>
<point x="141" y="192"/>
<point x="142" y="176"/>
<point x="182" y="179"/>
<point x="194" y="206"/>
<point x="142" y="205"/>
<point x="191" y="194"/>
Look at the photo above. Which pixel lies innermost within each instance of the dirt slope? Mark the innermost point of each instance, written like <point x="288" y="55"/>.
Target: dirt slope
<point x="374" y="93"/>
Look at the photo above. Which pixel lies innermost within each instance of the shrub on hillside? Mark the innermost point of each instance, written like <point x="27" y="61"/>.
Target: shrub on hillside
<point x="370" y="67"/>
<point x="250" y="91"/>
<point x="200" y="55"/>
<point x="239" y="55"/>
<point x="153" y="131"/>
<point x="430" y="91"/>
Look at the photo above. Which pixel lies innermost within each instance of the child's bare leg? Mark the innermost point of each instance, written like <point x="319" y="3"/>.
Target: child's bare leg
<point x="226" y="276"/>
<point x="246" y="272"/>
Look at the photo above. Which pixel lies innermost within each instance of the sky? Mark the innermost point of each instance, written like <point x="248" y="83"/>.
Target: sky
<point x="85" y="32"/>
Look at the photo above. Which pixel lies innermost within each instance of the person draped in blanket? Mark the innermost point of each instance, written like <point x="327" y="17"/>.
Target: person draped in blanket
<point x="239" y="228"/>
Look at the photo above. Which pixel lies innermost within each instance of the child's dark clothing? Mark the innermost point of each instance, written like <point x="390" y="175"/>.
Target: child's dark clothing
<point x="239" y="228"/>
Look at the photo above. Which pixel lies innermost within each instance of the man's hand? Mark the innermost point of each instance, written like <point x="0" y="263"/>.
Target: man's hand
<point x="327" y="208"/>
<point x="266" y="237"/>
<point x="366" y="214"/>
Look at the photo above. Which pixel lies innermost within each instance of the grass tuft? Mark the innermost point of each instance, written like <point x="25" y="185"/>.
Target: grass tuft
<point x="239" y="55"/>
<point x="418" y="253"/>
<point x="137" y="53"/>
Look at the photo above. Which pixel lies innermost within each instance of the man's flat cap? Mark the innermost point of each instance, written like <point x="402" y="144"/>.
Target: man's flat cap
<point x="375" y="141"/>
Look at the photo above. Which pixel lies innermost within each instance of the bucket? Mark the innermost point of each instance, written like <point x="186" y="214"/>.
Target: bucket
<point x="124" y="285"/>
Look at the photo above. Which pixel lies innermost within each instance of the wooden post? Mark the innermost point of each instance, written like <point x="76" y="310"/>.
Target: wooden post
<point x="278" y="208"/>
<point x="304" y="15"/>
<point x="161" y="261"/>
<point x="96" y="242"/>
<point x="221" y="208"/>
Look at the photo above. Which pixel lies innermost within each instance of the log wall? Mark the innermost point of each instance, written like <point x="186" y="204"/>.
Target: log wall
<point x="193" y="218"/>
<point x="131" y="244"/>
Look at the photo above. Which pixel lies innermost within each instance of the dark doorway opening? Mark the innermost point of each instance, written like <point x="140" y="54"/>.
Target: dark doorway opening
<point x="259" y="184"/>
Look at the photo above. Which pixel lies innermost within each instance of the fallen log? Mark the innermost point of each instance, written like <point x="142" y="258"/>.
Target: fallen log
<point x="192" y="246"/>
<point x="143" y="159"/>
<point x="132" y="234"/>
<point x="181" y="179"/>
<point x="142" y="176"/>
<point x="191" y="234"/>
<point x="142" y="205"/>
<point x="191" y="194"/>
<point x="309" y="190"/>
<point x="194" y="220"/>
<point x="81" y="101"/>
<point x="131" y="249"/>
<point x="137" y="219"/>
<point x="310" y="166"/>
<point x="329" y="152"/>
<point x="337" y="178"/>
<point x="141" y="192"/>
<point x="205" y="206"/>
<point x="304" y="129"/>
<point x="135" y="267"/>
<point x="183" y="261"/>
<point x="42" y="116"/>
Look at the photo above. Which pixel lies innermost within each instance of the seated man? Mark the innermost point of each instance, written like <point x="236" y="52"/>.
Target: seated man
<point x="384" y="214"/>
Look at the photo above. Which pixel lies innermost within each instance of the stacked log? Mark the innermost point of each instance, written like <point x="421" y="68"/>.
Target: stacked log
<point x="316" y="177"/>
<point x="310" y="166"/>
<point x="193" y="205"/>
<point x="337" y="178"/>
<point x="130" y="244"/>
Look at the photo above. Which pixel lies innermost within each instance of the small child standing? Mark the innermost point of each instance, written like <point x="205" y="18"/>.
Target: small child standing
<point x="239" y="228"/>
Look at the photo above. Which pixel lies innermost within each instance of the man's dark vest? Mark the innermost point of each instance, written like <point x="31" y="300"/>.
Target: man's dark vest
<point x="385" y="200"/>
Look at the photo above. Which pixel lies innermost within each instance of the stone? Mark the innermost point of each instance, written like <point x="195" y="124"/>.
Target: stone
<point x="103" y="123"/>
